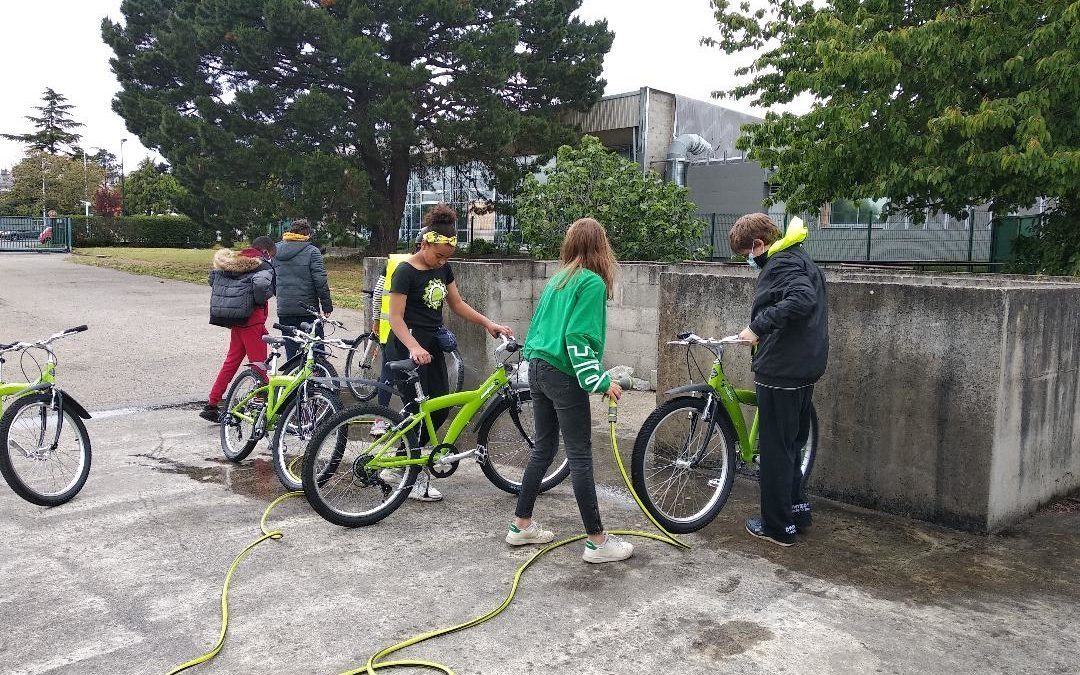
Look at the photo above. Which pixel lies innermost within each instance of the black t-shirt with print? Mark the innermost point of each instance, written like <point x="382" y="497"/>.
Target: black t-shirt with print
<point x="425" y="292"/>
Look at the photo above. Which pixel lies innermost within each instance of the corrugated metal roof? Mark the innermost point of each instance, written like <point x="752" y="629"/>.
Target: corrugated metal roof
<point x="615" y="112"/>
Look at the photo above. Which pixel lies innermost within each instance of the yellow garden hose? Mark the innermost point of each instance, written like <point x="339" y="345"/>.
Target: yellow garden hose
<point x="276" y="534"/>
<point x="376" y="661"/>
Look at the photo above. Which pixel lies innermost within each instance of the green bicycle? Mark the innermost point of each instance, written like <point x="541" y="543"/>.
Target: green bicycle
<point x="354" y="476"/>
<point x="689" y="449"/>
<point x="44" y="446"/>
<point x="289" y="406"/>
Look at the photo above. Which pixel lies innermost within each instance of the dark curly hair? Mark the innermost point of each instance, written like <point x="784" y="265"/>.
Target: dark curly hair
<point x="442" y="219"/>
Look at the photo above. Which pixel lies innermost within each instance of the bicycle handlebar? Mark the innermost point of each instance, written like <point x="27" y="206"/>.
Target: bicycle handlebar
<point x="44" y="343"/>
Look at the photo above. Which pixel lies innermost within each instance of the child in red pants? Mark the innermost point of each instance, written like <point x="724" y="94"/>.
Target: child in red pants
<point x="242" y="284"/>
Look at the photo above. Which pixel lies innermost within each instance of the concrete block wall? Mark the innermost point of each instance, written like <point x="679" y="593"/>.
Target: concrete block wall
<point x="948" y="398"/>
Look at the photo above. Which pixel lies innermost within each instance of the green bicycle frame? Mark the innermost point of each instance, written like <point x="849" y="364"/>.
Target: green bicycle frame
<point x="16" y="389"/>
<point x="470" y="401"/>
<point x="277" y="389"/>
<point x="733" y="399"/>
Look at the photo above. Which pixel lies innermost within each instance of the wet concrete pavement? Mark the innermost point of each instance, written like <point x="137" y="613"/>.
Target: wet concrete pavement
<point x="126" y="578"/>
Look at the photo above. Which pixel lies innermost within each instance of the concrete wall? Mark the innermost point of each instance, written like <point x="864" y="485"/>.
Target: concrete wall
<point x="949" y="399"/>
<point x="507" y="291"/>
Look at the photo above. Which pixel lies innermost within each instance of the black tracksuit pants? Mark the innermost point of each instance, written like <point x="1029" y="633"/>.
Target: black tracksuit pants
<point x="783" y="431"/>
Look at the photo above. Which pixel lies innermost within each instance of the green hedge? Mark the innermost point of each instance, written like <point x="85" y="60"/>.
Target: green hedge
<point x="144" y="231"/>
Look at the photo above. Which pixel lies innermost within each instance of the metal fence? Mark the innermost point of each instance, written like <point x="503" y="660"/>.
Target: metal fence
<point x="873" y="240"/>
<point x="19" y="233"/>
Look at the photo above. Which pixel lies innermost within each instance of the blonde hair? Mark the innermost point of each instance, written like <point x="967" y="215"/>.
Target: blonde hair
<point x="586" y="246"/>
<point x="750" y="227"/>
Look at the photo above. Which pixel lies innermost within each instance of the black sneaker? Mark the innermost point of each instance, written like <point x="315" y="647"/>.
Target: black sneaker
<point x="800" y="515"/>
<point x="211" y="413"/>
<point x="757" y="528"/>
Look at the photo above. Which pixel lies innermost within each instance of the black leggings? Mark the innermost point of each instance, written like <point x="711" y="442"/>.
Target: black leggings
<point x="433" y="377"/>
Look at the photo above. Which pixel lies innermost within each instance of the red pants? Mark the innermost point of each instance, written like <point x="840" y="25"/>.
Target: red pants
<point x="243" y="341"/>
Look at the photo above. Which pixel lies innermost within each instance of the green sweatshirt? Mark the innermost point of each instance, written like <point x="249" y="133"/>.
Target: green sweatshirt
<point x="569" y="327"/>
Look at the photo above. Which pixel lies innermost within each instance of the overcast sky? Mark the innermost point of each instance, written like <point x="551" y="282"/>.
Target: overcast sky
<point x="58" y="44"/>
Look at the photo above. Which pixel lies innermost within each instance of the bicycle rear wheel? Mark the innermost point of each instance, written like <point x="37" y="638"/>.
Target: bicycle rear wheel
<point x="363" y="362"/>
<point x="294" y="429"/>
<point x="38" y="472"/>
<point x="508" y="435"/>
<point x="684" y="464"/>
<point x="335" y="480"/>
<point x="239" y="436"/>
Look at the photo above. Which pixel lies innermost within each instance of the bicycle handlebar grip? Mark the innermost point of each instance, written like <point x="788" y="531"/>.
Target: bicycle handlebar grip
<point x="683" y="336"/>
<point x="77" y="329"/>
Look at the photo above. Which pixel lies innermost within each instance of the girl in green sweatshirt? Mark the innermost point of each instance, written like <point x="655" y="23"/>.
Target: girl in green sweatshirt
<point x="565" y="346"/>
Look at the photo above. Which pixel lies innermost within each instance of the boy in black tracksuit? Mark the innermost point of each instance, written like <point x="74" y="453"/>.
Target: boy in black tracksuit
<point x="789" y="326"/>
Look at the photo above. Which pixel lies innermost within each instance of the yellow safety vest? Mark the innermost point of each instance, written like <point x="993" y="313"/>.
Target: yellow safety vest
<point x="392" y="261"/>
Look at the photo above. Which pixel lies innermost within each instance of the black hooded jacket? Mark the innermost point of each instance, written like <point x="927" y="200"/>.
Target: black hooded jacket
<point x="790" y="316"/>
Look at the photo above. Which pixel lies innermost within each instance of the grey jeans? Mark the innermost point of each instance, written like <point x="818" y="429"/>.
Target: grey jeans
<point x="559" y="404"/>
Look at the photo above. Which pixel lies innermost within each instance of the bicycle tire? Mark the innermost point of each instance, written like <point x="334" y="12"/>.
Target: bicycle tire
<point x="237" y="448"/>
<point x="322" y="363"/>
<point x="368" y="368"/>
<point x="287" y="472"/>
<point x="10" y="470"/>
<point x="500" y="433"/>
<point x="325" y="469"/>
<point x="662" y="504"/>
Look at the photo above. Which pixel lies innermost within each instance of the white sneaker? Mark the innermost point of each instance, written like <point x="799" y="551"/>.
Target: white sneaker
<point x="379" y="427"/>
<point x="533" y="534"/>
<point x="422" y="490"/>
<point x="611" y="550"/>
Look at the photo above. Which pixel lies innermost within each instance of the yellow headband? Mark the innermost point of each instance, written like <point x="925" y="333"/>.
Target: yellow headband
<point x="433" y="237"/>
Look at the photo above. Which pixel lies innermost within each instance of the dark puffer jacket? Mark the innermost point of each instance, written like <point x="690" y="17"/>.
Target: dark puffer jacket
<point x="301" y="279"/>
<point x="790" y="315"/>
<point x="241" y="284"/>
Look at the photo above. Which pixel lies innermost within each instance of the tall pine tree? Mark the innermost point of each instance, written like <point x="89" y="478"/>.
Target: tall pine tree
<point x="324" y="108"/>
<point x="54" y="127"/>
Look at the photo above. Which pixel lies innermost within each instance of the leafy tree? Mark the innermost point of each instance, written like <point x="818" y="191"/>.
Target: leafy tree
<point x="107" y="202"/>
<point x="54" y="127"/>
<point x="1054" y="248"/>
<point x="935" y="104"/>
<point x="151" y="190"/>
<point x="269" y="108"/>
<point x="647" y="218"/>
<point x="110" y="163"/>
<point x="66" y="184"/>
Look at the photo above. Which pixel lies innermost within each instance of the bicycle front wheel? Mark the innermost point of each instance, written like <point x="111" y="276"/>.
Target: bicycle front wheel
<point x="42" y="467"/>
<point x="239" y="435"/>
<point x="295" y="428"/>
<point x="683" y="464"/>
<point x="363" y="363"/>
<point x="508" y="435"/>
<point x="335" y="478"/>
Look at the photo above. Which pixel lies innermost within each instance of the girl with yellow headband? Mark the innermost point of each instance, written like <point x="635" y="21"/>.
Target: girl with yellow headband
<point x="419" y="288"/>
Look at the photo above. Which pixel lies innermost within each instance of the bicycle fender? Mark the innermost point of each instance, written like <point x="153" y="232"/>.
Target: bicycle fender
<point x="76" y="406"/>
<point x="490" y="407"/>
<point x="692" y="389"/>
<point x="68" y="398"/>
